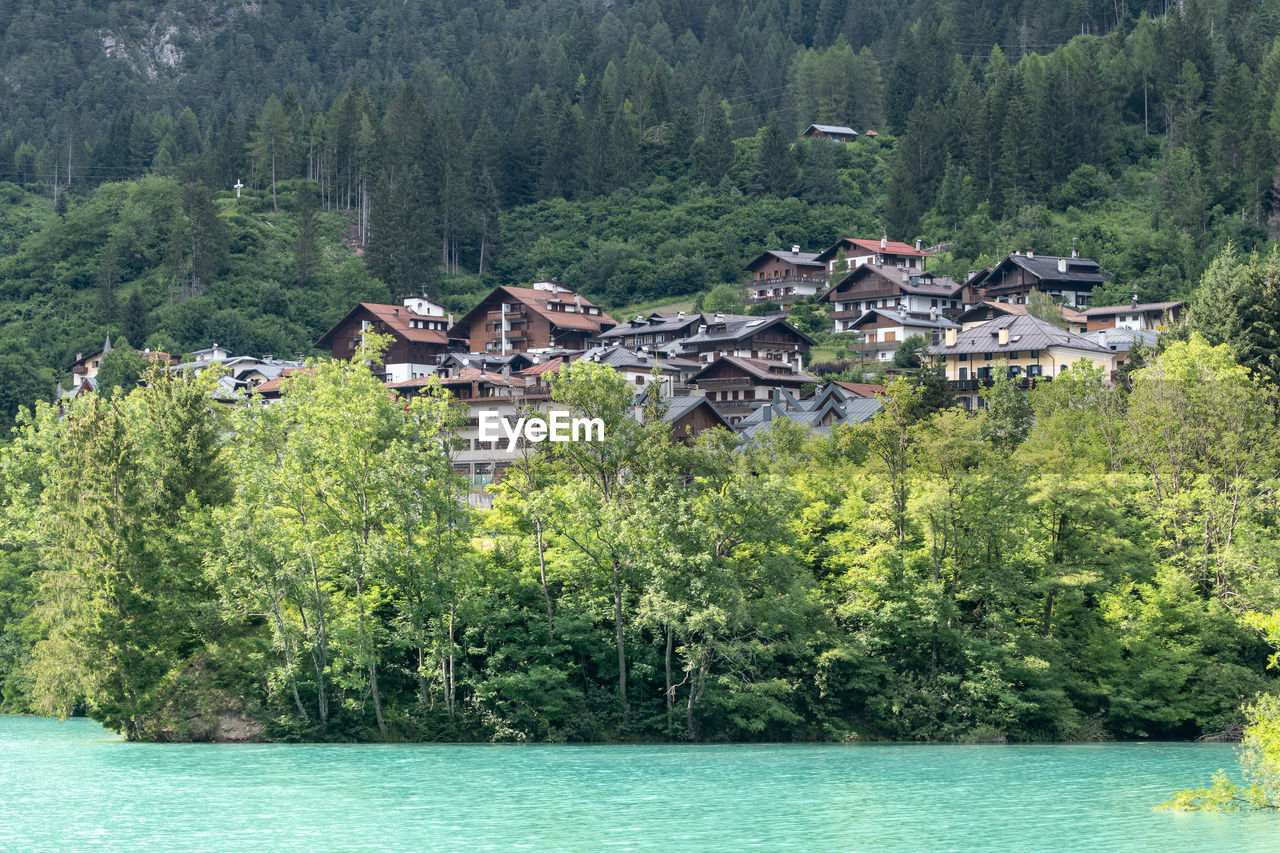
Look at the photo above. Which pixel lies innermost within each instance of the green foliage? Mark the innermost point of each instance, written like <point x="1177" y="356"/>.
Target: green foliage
<point x="1259" y="761"/>
<point x="723" y="299"/>
<point x="121" y="369"/>
<point x="908" y="352"/>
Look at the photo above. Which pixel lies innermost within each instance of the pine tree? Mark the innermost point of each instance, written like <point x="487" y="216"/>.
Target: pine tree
<point x="776" y="172"/>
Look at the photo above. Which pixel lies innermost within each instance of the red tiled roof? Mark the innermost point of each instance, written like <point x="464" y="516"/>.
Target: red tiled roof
<point x="891" y="247"/>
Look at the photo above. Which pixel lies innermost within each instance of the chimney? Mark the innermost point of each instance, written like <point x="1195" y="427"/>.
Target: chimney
<point x="1133" y="300"/>
<point x="679" y="315"/>
<point x="1075" y="253"/>
<point x="506" y="372"/>
<point x="719" y="318"/>
<point x="795" y="248"/>
<point x="1030" y="253"/>
<point x="933" y="313"/>
<point x="884" y="242"/>
<point x="1062" y="265"/>
<point x="1002" y="337"/>
<point x="395" y="312"/>
<point x="450" y="321"/>
<point x="79" y="356"/>
<point x="950" y="337"/>
<point x="917" y="244"/>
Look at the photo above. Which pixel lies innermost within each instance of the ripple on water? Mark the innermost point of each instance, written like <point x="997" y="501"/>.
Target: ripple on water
<point x="73" y="787"/>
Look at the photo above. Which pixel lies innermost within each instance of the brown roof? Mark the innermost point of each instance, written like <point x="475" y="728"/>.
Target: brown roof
<point x="539" y="301"/>
<point x="891" y="247"/>
<point x="274" y="386"/>
<point x="551" y="365"/>
<point x="396" y="318"/>
<point x="760" y="369"/>
<point x="862" y="389"/>
<point x="1108" y="310"/>
<point x="1071" y="315"/>
<point x="466" y="376"/>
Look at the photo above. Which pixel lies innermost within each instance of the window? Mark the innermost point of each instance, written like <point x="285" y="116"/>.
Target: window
<point x="963" y="374"/>
<point x="1013" y="355"/>
<point x="1035" y="353"/>
<point x="1034" y="370"/>
<point x="964" y="356"/>
<point x="984" y="372"/>
<point x="1014" y="371"/>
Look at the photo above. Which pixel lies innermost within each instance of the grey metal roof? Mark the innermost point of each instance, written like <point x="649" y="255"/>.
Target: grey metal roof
<point x="809" y="412"/>
<point x="1122" y="340"/>
<point x="736" y="328"/>
<point x="1025" y="333"/>
<point x="808" y="259"/>
<point x="917" y="282"/>
<point x="1142" y="307"/>
<point x="832" y="128"/>
<point x="908" y="321"/>
<point x="1045" y="268"/>
<point x="658" y="322"/>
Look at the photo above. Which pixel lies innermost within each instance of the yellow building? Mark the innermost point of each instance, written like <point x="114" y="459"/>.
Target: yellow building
<point x="1016" y="345"/>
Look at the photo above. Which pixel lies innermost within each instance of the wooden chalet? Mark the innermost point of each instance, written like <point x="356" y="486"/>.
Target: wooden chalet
<point x="1139" y="316"/>
<point x="738" y="385"/>
<point x="878" y="286"/>
<point x="767" y="339"/>
<point x="783" y="277"/>
<point x="1069" y="280"/>
<point x="832" y="132"/>
<point x="884" y="251"/>
<point x="522" y="319"/>
<point x="419" y="332"/>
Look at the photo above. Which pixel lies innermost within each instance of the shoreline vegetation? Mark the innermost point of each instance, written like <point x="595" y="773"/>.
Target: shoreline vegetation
<point x="1085" y="562"/>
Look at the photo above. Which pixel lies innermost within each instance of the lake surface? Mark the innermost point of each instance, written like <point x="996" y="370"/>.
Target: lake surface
<point x="74" y="786"/>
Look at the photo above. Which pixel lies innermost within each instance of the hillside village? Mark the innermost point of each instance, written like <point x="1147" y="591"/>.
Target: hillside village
<point x="740" y="372"/>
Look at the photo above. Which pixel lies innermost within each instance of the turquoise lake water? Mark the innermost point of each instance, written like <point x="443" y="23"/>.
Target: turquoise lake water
<point x="73" y="786"/>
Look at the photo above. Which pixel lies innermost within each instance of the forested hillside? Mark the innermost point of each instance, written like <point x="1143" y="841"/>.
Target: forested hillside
<point x="634" y="150"/>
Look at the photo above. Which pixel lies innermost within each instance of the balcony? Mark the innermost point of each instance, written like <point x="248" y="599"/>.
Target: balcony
<point x="970" y="385"/>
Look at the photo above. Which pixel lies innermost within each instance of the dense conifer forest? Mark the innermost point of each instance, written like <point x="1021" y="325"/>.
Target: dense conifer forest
<point x="1089" y="562"/>
<point x="638" y="151"/>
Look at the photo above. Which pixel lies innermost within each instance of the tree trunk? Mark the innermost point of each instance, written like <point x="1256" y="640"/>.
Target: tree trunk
<point x="453" y="608"/>
<point x="622" y="651"/>
<point x="671" y="699"/>
<point x="377" y="699"/>
<point x="542" y="572"/>
<point x="274" y="207"/>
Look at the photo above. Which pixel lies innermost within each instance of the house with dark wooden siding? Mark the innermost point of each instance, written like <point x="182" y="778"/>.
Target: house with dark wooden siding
<point x="1069" y="280"/>
<point x="783" y="277"/>
<point x="872" y="286"/>
<point x="883" y="251"/>
<point x="419" y="331"/>
<point x="523" y="319"/>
